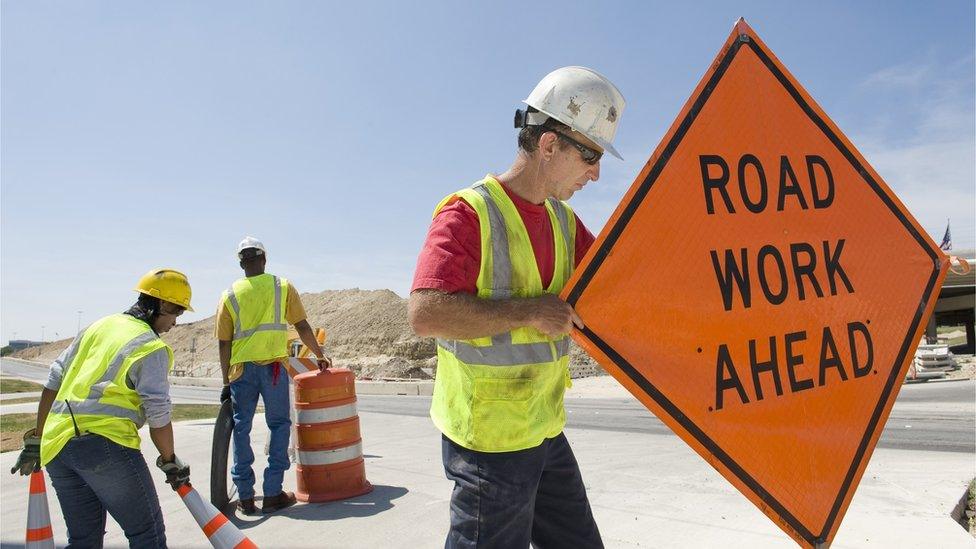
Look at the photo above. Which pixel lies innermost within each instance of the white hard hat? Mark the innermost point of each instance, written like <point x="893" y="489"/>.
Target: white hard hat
<point x="249" y="242"/>
<point x="581" y="98"/>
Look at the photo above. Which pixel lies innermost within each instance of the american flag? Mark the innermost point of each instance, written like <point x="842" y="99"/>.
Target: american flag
<point x="946" y="240"/>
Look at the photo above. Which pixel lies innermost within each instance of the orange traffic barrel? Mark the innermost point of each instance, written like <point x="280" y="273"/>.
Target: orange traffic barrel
<point x="330" y="446"/>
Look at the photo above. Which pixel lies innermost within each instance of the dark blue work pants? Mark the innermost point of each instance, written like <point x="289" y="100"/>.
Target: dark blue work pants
<point x="271" y="384"/>
<point x="510" y="499"/>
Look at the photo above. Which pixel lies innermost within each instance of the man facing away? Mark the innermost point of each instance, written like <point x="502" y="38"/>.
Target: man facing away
<point x="252" y="332"/>
<point x="106" y="384"/>
<point x="486" y="285"/>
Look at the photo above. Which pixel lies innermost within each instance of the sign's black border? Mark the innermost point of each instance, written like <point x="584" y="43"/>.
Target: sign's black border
<point x="604" y="250"/>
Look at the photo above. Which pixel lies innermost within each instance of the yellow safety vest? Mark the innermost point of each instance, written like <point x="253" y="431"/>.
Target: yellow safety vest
<point x="505" y="393"/>
<point x="94" y="388"/>
<point x="257" y="306"/>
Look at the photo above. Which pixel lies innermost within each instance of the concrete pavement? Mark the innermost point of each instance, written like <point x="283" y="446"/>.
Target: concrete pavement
<point x="647" y="490"/>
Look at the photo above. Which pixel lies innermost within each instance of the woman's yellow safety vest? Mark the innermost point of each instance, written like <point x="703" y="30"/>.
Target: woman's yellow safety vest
<point x="93" y="385"/>
<point x="505" y="393"/>
<point x="257" y="306"/>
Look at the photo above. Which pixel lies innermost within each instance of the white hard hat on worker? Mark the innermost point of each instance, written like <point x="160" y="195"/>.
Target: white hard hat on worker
<point x="579" y="97"/>
<point x="250" y="243"/>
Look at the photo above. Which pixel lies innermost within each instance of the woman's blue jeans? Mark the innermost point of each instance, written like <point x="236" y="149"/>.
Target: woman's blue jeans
<point x="92" y="475"/>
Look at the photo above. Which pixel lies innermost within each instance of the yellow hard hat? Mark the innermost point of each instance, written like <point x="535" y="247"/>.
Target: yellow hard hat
<point x="168" y="285"/>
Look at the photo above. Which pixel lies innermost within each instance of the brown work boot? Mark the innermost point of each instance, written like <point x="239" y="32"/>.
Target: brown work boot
<point x="247" y="506"/>
<point x="277" y="503"/>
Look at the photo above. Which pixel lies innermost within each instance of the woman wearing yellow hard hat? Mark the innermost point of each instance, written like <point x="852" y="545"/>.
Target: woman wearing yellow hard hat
<point x="110" y="381"/>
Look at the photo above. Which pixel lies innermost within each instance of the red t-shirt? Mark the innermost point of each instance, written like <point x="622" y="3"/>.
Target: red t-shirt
<point x="451" y="256"/>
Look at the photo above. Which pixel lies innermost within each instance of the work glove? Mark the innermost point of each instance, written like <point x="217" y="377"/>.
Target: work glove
<point x="225" y="394"/>
<point x="177" y="472"/>
<point x="30" y="457"/>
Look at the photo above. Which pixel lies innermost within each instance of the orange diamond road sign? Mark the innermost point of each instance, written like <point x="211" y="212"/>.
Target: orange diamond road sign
<point x="761" y="290"/>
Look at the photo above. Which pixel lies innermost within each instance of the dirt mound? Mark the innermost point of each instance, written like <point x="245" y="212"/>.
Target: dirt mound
<point x="368" y="332"/>
<point x="43" y="353"/>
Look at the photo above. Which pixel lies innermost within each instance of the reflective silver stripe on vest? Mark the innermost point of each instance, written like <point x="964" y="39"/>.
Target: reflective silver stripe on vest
<point x="562" y="347"/>
<point x="276" y="326"/>
<point x="98" y="389"/>
<point x="501" y="261"/>
<point x="261" y="328"/>
<point x="237" y="310"/>
<point x="563" y="218"/>
<point x="277" y="300"/>
<point x="328" y="457"/>
<point x="323" y="415"/>
<point x="72" y="351"/>
<point x="501" y="354"/>
<point x="95" y="408"/>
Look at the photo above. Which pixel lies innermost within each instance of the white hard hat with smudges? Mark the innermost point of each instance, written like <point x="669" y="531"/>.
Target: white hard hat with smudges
<point x="581" y="98"/>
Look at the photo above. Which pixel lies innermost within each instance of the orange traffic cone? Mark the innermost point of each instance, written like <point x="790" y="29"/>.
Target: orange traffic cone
<point x="220" y="531"/>
<point x="39" y="533"/>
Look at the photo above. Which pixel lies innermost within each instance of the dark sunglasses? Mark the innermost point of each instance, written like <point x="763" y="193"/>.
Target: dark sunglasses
<point x="590" y="156"/>
<point x="172" y="310"/>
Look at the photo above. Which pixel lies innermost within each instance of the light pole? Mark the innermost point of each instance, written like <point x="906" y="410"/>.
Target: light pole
<point x="78" y="331"/>
<point x="42" y="334"/>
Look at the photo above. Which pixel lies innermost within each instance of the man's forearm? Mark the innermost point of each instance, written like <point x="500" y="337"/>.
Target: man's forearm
<point x="224" y="348"/>
<point x="162" y="438"/>
<point x="465" y="316"/>
<point x="308" y="338"/>
<point x="44" y="407"/>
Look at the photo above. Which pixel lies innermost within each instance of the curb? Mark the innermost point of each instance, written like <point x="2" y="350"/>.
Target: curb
<point x="407" y="388"/>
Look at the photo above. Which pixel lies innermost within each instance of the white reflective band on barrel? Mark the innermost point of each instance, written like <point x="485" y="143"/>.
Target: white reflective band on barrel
<point x="329" y="457"/>
<point x="277" y="325"/>
<point x="324" y="415"/>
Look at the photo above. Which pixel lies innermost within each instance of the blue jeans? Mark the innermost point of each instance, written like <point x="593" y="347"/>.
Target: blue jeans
<point x="509" y="499"/>
<point x="244" y="391"/>
<point x="92" y="475"/>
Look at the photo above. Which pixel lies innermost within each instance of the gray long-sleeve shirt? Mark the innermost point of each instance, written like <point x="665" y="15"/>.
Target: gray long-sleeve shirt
<point x="148" y="376"/>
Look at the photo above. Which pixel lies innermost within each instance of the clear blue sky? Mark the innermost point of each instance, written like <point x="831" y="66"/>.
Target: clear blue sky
<point x="143" y="134"/>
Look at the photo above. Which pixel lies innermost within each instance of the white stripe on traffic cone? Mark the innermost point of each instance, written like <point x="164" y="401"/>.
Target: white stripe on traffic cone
<point x="39" y="533"/>
<point x="220" y="531"/>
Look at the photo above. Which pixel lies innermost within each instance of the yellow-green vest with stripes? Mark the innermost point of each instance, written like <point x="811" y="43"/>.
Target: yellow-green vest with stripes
<point x="94" y="388"/>
<point x="257" y="307"/>
<point x="505" y="393"/>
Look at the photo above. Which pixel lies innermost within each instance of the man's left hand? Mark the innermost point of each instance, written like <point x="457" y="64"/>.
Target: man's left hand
<point x="30" y="457"/>
<point x="177" y="472"/>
